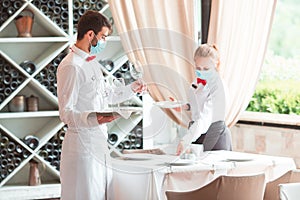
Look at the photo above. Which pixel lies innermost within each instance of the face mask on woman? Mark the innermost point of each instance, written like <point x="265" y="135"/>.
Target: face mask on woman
<point x="205" y="74"/>
<point x="101" y="44"/>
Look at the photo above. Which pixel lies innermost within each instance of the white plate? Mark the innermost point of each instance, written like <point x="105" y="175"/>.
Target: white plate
<point x="136" y="156"/>
<point x="181" y="162"/>
<point x="169" y="104"/>
<point x="239" y="159"/>
<point x="124" y="112"/>
<point x="107" y="113"/>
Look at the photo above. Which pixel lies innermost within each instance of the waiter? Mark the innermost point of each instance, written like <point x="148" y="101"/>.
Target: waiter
<point x="81" y="93"/>
<point x="207" y="103"/>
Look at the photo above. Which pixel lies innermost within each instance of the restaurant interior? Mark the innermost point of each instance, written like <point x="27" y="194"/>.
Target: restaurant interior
<point x="153" y="151"/>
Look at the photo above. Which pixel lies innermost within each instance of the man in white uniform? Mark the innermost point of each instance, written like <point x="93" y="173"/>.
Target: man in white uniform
<point x="82" y="94"/>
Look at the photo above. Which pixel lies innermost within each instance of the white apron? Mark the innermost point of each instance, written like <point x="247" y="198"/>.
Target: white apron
<point x="83" y="160"/>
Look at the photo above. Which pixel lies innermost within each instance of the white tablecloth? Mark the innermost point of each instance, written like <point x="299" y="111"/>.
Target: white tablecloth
<point x="149" y="179"/>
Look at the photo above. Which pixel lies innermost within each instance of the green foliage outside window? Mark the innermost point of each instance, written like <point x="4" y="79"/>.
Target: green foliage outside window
<point x="272" y="101"/>
<point x="278" y="88"/>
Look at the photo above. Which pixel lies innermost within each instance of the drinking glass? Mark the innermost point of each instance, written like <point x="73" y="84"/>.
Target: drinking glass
<point x="117" y="83"/>
<point x="104" y="88"/>
<point x="137" y="72"/>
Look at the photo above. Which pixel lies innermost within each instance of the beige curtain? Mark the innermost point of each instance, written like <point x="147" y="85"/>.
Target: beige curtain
<point x="240" y="28"/>
<point x="160" y="34"/>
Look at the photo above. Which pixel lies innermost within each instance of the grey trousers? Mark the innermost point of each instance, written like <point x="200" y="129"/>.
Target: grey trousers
<point x="217" y="137"/>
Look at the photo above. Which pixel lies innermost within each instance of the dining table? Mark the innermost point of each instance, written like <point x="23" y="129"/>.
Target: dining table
<point x="146" y="176"/>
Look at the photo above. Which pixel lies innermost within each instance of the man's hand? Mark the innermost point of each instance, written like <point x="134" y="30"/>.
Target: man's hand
<point x="138" y="86"/>
<point x="106" y="119"/>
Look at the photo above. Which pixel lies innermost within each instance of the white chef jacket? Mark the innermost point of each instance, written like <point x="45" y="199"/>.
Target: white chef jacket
<point x="81" y="93"/>
<point x="208" y="105"/>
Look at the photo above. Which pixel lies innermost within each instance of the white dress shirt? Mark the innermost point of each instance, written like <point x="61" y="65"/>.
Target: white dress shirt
<point x="80" y="88"/>
<point x="208" y="105"/>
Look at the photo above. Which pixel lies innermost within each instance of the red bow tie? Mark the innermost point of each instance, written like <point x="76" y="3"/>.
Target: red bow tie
<point x="202" y="81"/>
<point x="90" y="58"/>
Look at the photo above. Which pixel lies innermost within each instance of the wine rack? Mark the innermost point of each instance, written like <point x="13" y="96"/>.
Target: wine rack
<point x="133" y="140"/>
<point x="10" y="77"/>
<point x="8" y="8"/>
<point x="28" y="68"/>
<point x="47" y="76"/>
<point x="12" y="154"/>
<point x="56" y="10"/>
<point x="81" y="6"/>
<point x="52" y="149"/>
<point x="123" y="72"/>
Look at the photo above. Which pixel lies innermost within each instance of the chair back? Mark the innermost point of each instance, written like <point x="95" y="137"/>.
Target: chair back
<point x="242" y="187"/>
<point x="295" y="176"/>
<point x="272" y="190"/>
<point x="226" y="188"/>
<point x="206" y="192"/>
<point x="289" y="191"/>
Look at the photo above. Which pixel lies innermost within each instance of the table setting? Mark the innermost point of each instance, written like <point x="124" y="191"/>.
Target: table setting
<point x="159" y="172"/>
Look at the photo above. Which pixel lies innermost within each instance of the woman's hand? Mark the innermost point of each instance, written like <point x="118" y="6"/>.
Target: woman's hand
<point x="106" y="119"/>
<point x="180" y="148"/>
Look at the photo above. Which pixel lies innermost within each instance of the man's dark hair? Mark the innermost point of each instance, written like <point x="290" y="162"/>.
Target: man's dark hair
<point x="92" y="20"/>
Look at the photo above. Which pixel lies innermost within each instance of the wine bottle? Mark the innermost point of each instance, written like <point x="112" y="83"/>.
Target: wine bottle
<point x="120" y="146"/>
<point x="19" y="149"/>
<point x="132" y="137"/>
<point x="17" y="161"/>
<point x="139" y="131"/>
<point x="3" y="152"/>
<point x="44" y="154"/>
<point x="31" y="141"/>
<point x="113" y="138"/>
<point x="138" y="143"/>
<point x="49" y="147"/>
<point x="126" y="143"/>
<point x="4" y="141"/>
<point x="11" y="146"/>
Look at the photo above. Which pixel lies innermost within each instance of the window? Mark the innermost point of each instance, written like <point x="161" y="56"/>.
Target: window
<point x="278" y="89"/>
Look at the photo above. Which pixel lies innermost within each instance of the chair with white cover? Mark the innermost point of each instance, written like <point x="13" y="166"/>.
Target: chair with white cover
<point x="289" y="191"/>
<point x="272" y="190"/>
<point x="250" y="187"/>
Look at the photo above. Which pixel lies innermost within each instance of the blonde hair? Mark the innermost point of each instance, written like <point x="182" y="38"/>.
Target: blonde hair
<point x="208" y="50"/>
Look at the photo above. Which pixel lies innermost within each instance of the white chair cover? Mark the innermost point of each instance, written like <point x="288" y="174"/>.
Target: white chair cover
<point x="289" y="191"/>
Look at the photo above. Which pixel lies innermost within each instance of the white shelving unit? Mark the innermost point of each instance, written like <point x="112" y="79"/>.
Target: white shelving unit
<point x="50" y="41"/>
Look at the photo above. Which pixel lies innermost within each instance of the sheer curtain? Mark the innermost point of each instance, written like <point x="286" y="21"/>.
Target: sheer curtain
<point x="240" y="28"/>
<point x="161" y="36"/>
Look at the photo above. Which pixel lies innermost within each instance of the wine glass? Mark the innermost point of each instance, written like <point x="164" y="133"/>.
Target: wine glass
<point x="137" y="72"/>
<point x="116" y="84"/>
<point x="104" y="89"/>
